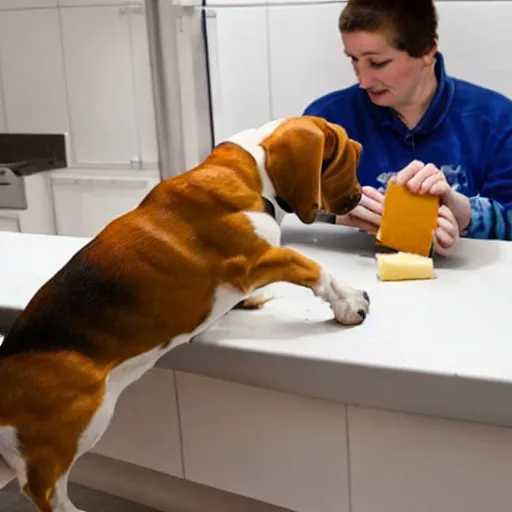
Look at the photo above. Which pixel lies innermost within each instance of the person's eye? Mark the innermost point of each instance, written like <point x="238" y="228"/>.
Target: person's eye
<point x="379" y="65"/>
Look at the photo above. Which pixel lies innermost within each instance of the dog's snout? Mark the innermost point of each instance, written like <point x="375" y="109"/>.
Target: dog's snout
<point x="349" y="203"/>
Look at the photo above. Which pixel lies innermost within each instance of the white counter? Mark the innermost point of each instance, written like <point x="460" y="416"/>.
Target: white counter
<point x="439" y="347"/>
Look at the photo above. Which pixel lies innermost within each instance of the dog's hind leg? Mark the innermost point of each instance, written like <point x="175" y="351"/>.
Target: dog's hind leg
<point x="47" y="475"/>
<point x="52" y="447"/>
<point x="61" y="501"/>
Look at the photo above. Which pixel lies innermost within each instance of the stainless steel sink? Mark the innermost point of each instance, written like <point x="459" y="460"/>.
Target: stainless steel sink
<point x="24" y="154"/>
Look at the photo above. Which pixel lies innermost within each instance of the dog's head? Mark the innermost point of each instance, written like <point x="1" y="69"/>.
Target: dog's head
<point x="312" y="165"/>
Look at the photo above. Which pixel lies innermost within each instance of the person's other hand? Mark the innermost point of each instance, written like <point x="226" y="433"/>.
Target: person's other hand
<point x="367" y="214"/>
<point x="446" y="235"/>
<point x="424" y="179"/>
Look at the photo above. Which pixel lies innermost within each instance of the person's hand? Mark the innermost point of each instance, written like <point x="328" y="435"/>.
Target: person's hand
<point x="428" y="179"/>
<point x="446" y="235"/>
<point x="424" y="179"/>
<point x="367" y="214"/>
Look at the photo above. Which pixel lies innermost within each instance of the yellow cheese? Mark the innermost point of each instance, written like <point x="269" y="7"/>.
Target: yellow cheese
<point x="408" y="220"/>
<point x="403" y="266"/>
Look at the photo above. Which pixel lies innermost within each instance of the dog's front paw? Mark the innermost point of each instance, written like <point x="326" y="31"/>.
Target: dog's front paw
<point x="350" y="306"/>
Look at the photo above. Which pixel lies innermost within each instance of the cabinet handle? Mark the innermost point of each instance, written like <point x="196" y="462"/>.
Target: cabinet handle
<point x="136" y="163"/>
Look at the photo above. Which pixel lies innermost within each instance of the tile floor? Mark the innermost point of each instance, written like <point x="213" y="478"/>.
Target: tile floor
<point x="83" y="498"/>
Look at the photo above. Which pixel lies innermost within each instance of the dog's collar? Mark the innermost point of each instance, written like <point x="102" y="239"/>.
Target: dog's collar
<point x="270" y="207"/>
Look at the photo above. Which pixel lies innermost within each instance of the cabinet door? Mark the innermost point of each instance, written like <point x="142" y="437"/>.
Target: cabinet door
<point x="145" y="429"/>
<point x="405" y="463"/>
<point x="238" y="55"/>
<point x="39" y="217"/>
<point x="85" y="204"/>
<point x="145" y="110"/>
<point x="34" y="87"/>
<point x="284" y="450"/>
<point x="306" y="56"/>
<point x="100" y="85"/>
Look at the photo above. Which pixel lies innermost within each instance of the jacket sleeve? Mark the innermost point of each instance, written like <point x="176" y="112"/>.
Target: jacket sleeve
<point x="491" y="209"/>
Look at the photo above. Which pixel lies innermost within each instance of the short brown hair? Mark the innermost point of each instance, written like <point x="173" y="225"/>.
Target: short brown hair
<point x="413" y="23"/>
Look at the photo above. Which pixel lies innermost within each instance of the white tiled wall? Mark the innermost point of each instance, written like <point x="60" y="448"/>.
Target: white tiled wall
<point x="81" y="67"/>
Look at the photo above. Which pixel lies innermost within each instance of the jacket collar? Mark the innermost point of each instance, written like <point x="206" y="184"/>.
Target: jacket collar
<point x="435" y="113"/>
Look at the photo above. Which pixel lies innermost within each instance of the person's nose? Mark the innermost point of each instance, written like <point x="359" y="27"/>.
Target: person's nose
<point x="365" y="77"/>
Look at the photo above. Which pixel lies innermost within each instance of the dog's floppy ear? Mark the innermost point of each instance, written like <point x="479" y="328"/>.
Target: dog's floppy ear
<point x="341" y="190"/>
<point x="296" y="154"/>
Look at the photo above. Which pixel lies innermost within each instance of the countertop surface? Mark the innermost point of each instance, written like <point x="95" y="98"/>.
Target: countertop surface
<point x="439" y="347"/>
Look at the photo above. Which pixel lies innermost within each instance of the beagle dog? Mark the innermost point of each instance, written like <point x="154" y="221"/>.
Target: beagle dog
<point x="196" y="246"/>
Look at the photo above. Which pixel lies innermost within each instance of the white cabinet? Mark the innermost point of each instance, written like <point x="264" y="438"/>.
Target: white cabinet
<point x="10" y="222"/>
<point x="34" y="88"/>
<point x="38" y="217"/>
<point x="100" y="85"/>
<point x="281" y="449"/>
<point x="145" y="428"/>
<point x="109" y="88"/>
<point x="85" y="201"/>
<point x="468" y="57"/>
<point x="306" y="57"/>
<point x="405" y="463"/>
<point x="238" y="57"/>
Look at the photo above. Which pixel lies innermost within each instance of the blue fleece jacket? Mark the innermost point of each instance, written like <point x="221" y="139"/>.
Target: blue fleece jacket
<point x="466" y="132"/>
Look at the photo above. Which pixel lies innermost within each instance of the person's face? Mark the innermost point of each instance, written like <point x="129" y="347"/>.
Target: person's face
<point x="390" y="76"/>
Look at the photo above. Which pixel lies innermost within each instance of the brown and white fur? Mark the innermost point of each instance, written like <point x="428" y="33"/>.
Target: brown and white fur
<point x="196" y="246"/>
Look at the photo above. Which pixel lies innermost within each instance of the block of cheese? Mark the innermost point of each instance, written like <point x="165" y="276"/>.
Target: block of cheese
<point x="408" y="220"/>
<point x="403" y="266"/>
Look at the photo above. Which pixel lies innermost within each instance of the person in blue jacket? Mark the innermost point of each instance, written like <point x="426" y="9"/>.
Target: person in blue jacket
<point x="419" y="126"/>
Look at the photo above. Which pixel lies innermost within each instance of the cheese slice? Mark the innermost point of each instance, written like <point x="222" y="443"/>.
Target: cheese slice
<point x="408" y="220"/>
<point x="403" y="266"/>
